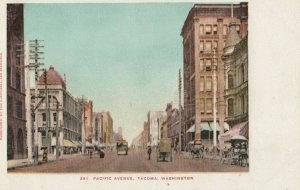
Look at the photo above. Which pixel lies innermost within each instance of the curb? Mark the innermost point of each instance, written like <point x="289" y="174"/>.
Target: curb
<point x="32" y="164"/>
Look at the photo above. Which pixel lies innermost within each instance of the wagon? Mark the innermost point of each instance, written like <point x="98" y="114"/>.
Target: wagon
<point x="238" y="153"/>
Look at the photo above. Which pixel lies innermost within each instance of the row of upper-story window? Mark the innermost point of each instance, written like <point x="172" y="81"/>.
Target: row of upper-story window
<point x="206" y="105"/>
<point x="210" y="29"/>
<point x="15" y="107"/>
<point x="209" y="45"/>
<point x="237" y="106"/>
<point x="206" y="83"/>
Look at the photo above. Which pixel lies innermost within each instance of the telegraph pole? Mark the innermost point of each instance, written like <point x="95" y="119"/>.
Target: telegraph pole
<point x="48" y="124"/>
<point x="179" y="91"/>
<point x="83" y="124"/>
<point x="34" y="50"/>
<point x="23" y="52"/>
<point x="215" y="98"/>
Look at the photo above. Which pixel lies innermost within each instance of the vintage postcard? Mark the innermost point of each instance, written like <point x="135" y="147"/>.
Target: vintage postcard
<point x="144" y="94"/>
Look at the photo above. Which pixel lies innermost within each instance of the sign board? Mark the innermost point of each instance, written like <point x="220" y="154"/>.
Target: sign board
<point x="165" y="145"/>
<point x="43" y="129"/>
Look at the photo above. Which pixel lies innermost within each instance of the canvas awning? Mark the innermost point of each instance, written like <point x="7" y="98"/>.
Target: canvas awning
<point x="77" y="143"/>
<point x="212" y="126"/>
<point x="226" y="126"/>
<point x="191" y="129"/>
<point x="205" y="126"/>
<point x="68" y="143"/>
<point x="239" y="129"/>
<point x="88" y="144"/>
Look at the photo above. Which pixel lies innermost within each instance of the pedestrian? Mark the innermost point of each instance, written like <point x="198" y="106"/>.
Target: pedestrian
<point x="149" y="152"/>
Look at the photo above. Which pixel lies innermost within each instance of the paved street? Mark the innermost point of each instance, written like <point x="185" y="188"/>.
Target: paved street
<point x="134" y="162"/>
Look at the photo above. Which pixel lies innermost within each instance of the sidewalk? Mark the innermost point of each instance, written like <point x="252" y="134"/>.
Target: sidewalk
<point x="12" y="164"/>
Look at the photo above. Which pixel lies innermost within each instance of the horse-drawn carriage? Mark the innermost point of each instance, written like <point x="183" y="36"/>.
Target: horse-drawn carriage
<point x="237" y="154"/>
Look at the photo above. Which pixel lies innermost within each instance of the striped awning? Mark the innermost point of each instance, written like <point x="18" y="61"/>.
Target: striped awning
<point x="212" y="126"/>
<point x="68" y="143"/>
<point x="205" y="126"/>
<point x="191" y="129"/>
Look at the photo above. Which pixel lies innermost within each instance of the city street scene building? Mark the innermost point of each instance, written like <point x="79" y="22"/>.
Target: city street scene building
<point x="165" y="90"/>
<point x="205" y="35"/>
<point x="62" y="111"/>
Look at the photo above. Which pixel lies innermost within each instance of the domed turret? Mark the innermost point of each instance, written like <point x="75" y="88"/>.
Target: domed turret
<point x="53" y="78"/>
<point x="232" y="39"/>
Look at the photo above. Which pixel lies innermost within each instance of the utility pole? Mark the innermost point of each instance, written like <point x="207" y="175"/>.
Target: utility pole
<point x="83" y="124"/>
<point x="34" y="54"/>
<point x="57" y="130"/>
<point x="23" y="52"/>
<point x="48" y="124"/>
<point x="179" y="91"/>
<point x="215" y="98"/>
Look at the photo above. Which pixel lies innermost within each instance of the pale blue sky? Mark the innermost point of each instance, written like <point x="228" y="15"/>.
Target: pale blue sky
<point x="124" y="57"/>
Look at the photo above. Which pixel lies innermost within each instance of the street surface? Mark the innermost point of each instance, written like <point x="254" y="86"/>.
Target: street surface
<point x="135" y="161"/>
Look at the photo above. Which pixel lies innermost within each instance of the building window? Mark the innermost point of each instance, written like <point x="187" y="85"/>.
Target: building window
<point x="19" y="110"/>
<point x="44" y="119"/>
<point x="230" y="107"/>
<point x="208" y="84"/>
<point x="215" y="29"/>
<point x="201" y="46"/>
<point x="215" y="44"/>
<point x="202" y="106"/>
<point x="225" y="29"/>
<point x="208" y="66"/>
<point x="209" y="105"/>
<point x="243" y="104"/>
<point x="208" y="29"/>
<point x="207" y="46"/>
<point x="230" y="81"/>
<point x="201" y="29"/>
<point x="202" y="65"/>
<point x="18" y="81"/>
<point x="54" y="119"/>
<point x="202" y="84"/>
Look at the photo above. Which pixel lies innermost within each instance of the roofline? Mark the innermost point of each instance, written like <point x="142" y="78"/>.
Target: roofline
<point x="207" y="5"/>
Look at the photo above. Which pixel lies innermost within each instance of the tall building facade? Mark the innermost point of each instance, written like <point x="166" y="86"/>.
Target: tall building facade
<point x="16" y="122"/>
<point x="153" y="122"/>
<point x="96" y="127"/>
<point x="67" y="117"/>
<point x="204" y="36"/>
<point x="107" y="128"/>
<point x="88" y="119"/>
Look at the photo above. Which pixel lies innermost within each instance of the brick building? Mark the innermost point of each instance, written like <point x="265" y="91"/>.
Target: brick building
<point x="205" y="30"/>
<point x="16" y="122"/>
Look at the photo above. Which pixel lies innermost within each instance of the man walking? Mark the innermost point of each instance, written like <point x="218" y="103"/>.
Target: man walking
<point x="149" y="152"/>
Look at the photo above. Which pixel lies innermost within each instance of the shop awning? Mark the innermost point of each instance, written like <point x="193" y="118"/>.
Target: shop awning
<point x="191" y="129"/>
<point x="212" y="126"/>
<point x="226" y="126"/>
<point x="88" y="144"/>
<point x="68" y="143"/>
<point x="205" y="126"/>
<point x="76" y="143"/>
<point x="238" y="129"/>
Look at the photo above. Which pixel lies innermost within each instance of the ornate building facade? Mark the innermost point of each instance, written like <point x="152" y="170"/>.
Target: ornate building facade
<point x="236" y="75"/>
<point x="67" y="117"/>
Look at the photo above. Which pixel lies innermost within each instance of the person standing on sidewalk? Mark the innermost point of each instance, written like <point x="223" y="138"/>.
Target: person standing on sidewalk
<point x="149" y="152"/>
